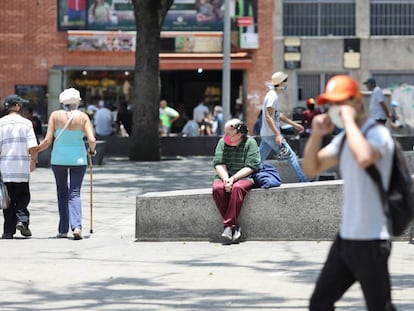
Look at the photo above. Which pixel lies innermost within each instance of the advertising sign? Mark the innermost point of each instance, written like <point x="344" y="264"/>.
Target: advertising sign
<point x="184" y="16"/>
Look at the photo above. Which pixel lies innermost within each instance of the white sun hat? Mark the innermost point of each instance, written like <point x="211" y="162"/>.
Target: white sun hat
<point x="70" y="96"/>
<point x="278" y="77"/>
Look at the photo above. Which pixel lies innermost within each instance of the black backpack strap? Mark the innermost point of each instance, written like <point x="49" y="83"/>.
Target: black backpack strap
<point x="375" y="175"/>
<point x="342" y="143"/>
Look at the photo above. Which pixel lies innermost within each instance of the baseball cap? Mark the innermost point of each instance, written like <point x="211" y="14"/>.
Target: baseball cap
<point x="370" y="81"/>
<point x="278" y="77"/>
<point x="339" y="88"/>
<point x="13" y="100"/>
<point x="310" y="101"/>
<point x="394" y="103"/>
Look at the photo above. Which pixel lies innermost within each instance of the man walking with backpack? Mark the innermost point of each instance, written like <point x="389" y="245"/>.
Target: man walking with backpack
<point x="361" y="250"/>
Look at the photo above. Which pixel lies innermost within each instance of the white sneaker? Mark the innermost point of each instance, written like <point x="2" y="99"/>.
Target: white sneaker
<point x="227" y="235"/>
<point x="77" y="234"/>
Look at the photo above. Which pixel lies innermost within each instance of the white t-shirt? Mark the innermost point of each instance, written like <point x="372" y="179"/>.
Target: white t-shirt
<point x="271" y="100"/>
<point x="362" y="214"/>
<point x="16" y="138"/>
<point x="375" y="108"/>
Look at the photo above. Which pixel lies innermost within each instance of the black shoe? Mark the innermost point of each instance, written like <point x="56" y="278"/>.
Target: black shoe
<point x="24" y="229"/>
<point x="236" y="235"/>
<point x="411" y="241"/>
<point x="7" y="236"/>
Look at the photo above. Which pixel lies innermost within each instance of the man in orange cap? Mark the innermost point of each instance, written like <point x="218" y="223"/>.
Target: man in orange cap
<point x="361" y="250"/>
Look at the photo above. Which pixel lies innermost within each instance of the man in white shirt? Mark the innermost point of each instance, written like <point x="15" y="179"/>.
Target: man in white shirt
<point x="270" y="132"/>
<point x="378" y="110"/>
<point x="362" y="248"/>
<point x="18" y="158"/>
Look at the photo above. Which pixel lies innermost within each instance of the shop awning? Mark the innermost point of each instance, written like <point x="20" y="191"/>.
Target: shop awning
<point x="206" y="61"/>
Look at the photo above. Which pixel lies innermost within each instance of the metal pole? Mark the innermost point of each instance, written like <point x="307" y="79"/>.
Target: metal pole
<point x="225" y="99"/>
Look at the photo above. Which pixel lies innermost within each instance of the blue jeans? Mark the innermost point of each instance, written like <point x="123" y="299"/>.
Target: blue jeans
<point x="69" y="201"/>
<point x="268" y="143"/>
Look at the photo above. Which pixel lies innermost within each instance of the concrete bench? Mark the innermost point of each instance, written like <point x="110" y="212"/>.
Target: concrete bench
<point x="288" y="176"/>
<point x="296" y="211"/>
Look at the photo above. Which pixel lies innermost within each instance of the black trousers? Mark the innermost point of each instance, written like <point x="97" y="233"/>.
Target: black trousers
<point x="19" y="194"/>
<point x="351" y="261"/>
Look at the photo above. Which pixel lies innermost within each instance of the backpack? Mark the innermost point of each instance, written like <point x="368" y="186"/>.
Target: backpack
<point x="267" y="176"/>
<point x="399" y="199"/>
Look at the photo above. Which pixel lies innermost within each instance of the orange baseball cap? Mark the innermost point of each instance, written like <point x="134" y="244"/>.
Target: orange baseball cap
<point x="339" y="88"/>
<point x="310" y="101"/>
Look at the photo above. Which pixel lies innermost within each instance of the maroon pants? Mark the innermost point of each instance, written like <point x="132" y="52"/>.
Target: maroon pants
<point x="229" y="203"/>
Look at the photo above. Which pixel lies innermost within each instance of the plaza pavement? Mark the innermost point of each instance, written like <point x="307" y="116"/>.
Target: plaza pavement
<point x="108" y="270"/>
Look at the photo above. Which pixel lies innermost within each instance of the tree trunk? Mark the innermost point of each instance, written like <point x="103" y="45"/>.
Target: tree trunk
<point x="144" y="141"/>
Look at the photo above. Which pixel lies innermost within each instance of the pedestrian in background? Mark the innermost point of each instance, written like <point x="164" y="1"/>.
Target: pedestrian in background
<point x="103" y="121"/>
<point x="218" y="120"/>
<point x="199" y="112"/>
<point x="18" y="158"/>
<point x="270" y="132"/>
<point x="236" y="158"/>
<point x="361" y="250"/>
<point x="124" y="118"/>
<point x="69" y="159"/>
<point x="168" y="116"/>
<point x="378" y="109"/>
<point x="308" y="115"/>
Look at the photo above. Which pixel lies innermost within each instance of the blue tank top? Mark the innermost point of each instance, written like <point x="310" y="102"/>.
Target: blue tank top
<point x="69" y="149"/>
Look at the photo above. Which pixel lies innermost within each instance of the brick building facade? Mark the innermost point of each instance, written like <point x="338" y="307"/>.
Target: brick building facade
<point x="31" y="45"/>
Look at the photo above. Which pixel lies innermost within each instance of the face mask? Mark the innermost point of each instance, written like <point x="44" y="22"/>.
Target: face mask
<point x="283" y="88"/>
<point x="228" y="140"/>
<point x="336" y="119"/>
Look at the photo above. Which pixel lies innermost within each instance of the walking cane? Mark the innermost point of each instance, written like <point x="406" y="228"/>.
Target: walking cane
<point x="90" y="192"/>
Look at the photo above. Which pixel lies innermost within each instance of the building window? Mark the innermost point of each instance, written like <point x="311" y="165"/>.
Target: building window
<point x="318" y="18"/>
<point x="392" y="17"/>
<point x="312" y="84"/>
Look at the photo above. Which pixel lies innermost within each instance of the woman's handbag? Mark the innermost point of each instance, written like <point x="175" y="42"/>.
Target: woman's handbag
<point x="4" y="195"/>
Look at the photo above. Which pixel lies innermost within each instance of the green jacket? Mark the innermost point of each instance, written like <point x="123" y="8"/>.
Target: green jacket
<point x="246" y="154"/>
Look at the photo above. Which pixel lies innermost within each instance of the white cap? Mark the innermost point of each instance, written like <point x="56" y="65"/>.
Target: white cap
<point x="278" y="77"/>
<point x="70" y="96"/>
